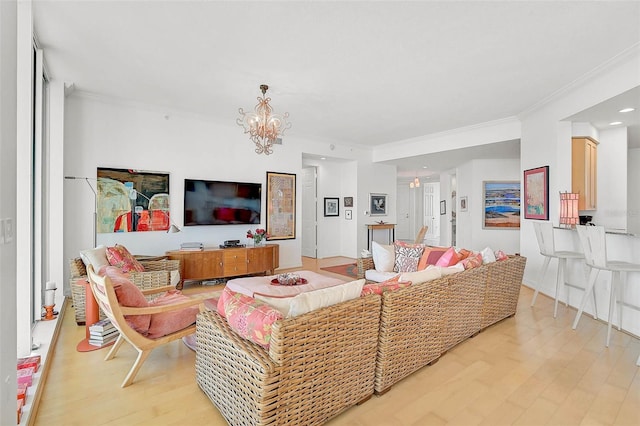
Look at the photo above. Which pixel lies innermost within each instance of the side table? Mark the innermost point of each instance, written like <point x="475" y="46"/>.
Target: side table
<point x="372" y="227"/>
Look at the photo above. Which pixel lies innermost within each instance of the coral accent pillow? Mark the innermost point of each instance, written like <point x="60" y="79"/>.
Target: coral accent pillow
<point x="449" y="258"/>
<point x="389" y="285"/>
<point x="463" y="254"/>
<point x="128" y="295"/>
<point x="169" y="322"/>
<point x="430" y="256"/>
<point x="250" y="318"/>
<point x="473" y="261"/>
<point x="119" y="256"/>
<point x="407" y="256"/>
<point x="383" y="257"/>
<point x="500" y="255"/>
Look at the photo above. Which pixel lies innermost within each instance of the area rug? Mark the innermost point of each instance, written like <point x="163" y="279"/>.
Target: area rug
<point x="350" y="270"/>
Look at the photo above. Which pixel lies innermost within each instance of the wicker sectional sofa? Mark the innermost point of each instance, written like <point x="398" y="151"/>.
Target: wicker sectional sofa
<point x="421" y="322"/>
<point x="317" y="365"/>
<point x="325" y="361"/>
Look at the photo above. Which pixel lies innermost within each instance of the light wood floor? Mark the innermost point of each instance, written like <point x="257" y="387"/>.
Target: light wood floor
<point x="526" y="370"/>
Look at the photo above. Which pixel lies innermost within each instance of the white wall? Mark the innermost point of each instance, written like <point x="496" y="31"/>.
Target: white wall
<point x="612" y="179"/>
<point x="379" y="179"/>
<point x="8" y="64"/>
<point x="110" y="133"/>
<point x="633" y="194"/>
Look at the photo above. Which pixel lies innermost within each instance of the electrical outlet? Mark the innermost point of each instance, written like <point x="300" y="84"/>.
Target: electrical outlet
<point x="8" y="230"/>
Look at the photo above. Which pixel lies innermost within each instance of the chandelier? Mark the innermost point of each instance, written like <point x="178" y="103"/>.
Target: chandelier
<point x="415" y="183"/>
<point x="263" y="126"/>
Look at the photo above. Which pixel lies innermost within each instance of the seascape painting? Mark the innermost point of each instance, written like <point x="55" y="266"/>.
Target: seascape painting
<point x="501" y="205"/>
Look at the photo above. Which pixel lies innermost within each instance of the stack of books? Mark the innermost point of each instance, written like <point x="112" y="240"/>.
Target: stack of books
<point x="102" y="332"/>
<point x="191" y="246"/>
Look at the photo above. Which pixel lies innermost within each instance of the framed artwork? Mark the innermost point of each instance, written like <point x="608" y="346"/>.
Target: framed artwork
<point x="443" y="207"/>
<point x="348" y="201"/>
<point x="348" y="214"/>
<point x="536" y="193"/>
<point x="131" y="200"/>
<point x="331" y="207"/>
<point x="281" y="206"/>
<point x="501" y="205"/>
<point x="463" y="204"/>
<point x="377" y="204"/>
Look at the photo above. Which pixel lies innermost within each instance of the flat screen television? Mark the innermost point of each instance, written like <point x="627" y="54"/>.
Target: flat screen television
<point x="208" y="202"/>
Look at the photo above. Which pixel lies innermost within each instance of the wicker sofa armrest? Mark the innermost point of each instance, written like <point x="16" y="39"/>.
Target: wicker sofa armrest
<point x="504" y="280"/>
<point x="161" y="265"/>
<point x="238" y="376"/>
<point x="364" y="264"/>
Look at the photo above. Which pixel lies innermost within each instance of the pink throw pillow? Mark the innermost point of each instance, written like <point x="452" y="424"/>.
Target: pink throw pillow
<point x="430" y="256"/>
<point x="449" y="258"/>
<point x="120" y="257"/>
<point x="128" y="295"/>
<point x="500" y="255"/>
<point x="250" y="318"/>
<point x="169" y="322"/>
<point x="389" y="285"/>
<point x="473" y="261"/>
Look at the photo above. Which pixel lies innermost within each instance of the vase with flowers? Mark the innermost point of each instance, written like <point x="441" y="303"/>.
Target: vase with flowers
<point x="258" y="236"/>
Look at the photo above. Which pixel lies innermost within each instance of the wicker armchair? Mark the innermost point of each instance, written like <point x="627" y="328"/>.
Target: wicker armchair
<point x="157" y="274"/>
<point x="318" y="364"/>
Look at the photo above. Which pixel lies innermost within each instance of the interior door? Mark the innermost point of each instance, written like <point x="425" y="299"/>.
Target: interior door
<point x="432" y="212"/>
<point x="309" y="212"/>
<point x="404" y="213"/>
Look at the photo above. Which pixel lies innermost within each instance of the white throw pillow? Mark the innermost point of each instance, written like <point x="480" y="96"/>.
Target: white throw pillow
<point x="458" y="267"/>
<point x="384" y="257"/>
<point x="422" y="276"/>
<point x="378" y="276"/>
<point x="95" y="256"/>
<point x="312" y="300"/>
<point x="488" y="256"/>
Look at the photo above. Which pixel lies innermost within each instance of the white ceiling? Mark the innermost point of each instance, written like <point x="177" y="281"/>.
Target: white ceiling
<point x="364" y="73"/>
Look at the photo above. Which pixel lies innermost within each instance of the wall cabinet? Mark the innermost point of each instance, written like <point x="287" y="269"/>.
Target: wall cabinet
<point x="584" y="177"/>
<point x="224" y="263"/>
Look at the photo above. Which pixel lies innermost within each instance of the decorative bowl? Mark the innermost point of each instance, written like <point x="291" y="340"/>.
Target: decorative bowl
<point x="288" y="279"/>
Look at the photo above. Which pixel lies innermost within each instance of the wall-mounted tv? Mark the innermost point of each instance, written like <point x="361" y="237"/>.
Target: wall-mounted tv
<point x="209" y="202"/>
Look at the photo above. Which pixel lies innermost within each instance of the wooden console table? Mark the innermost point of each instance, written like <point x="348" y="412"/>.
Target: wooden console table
<point x="372" y="227"/>
<point x="213" y="263"/>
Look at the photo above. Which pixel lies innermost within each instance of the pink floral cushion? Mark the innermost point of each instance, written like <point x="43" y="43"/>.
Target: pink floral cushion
<point x="473" y="261"/>
<point x="449" y="258"/>
<point x="407" y="256"/>
<point x="250" y="318"/>
<point x="128" y="295"/>
<point x="120" y="257"/>
<point x="169" y="322"/>
<point x="388" y="285"/>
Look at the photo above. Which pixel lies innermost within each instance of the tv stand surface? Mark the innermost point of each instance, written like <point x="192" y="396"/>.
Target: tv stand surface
<point x="211" y="263"/>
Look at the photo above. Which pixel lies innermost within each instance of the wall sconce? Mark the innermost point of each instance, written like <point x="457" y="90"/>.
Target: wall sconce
<point x="569" y="209"/>
<point x="49" y="301"/>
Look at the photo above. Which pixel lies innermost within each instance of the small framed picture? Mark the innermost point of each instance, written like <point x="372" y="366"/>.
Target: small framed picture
<point x="443" y="207"/>
<point x="347" y="214"/>
<point x="377" y="204"/>
<point x="348" y="201"/>
<point x="463" y="204"/>
<point x="331" y="207"/>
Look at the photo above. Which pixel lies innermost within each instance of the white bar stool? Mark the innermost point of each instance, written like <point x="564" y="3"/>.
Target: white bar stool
<point x="594" y="242"/>
<point x="546" y="243"/>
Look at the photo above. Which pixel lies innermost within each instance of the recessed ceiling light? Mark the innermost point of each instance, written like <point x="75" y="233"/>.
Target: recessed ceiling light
<point x="425" y="167"/>
<point x="615" y="123"/>
<point x="627" y="110"/>
<point x="323" y="158"/>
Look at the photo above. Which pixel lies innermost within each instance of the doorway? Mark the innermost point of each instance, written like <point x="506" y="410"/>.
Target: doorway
<point x="309" y="211"/>
<point x="432" y="213"/>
